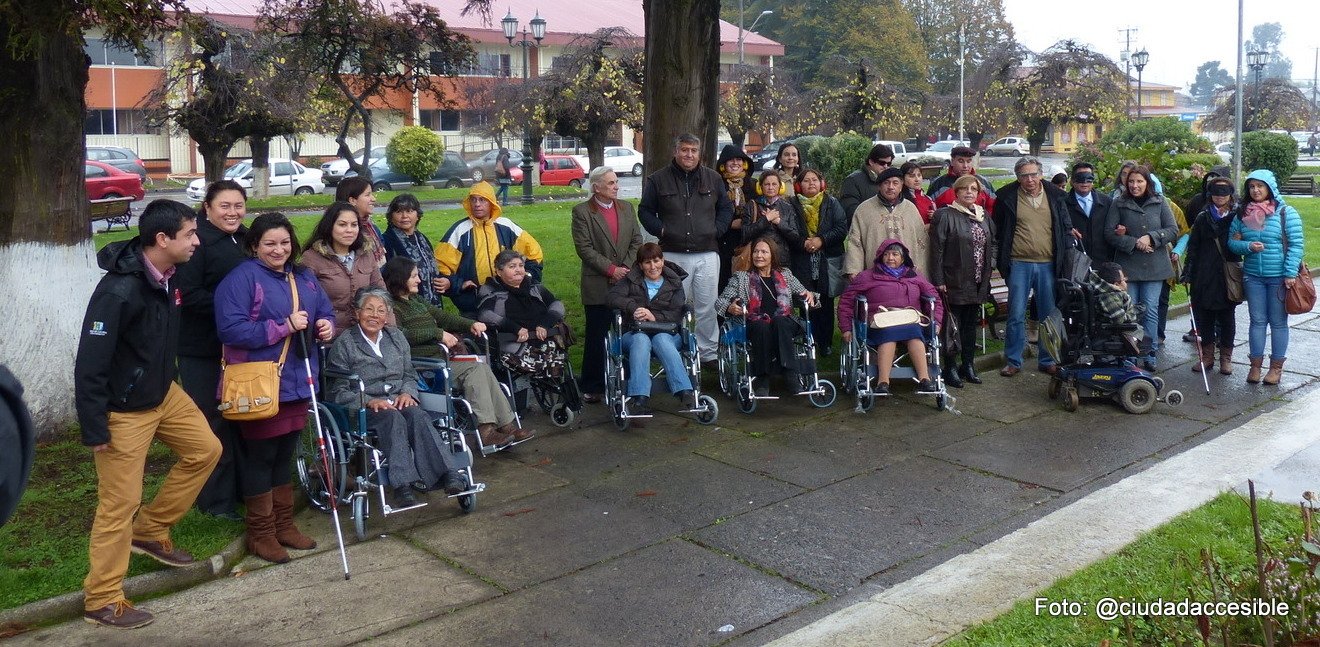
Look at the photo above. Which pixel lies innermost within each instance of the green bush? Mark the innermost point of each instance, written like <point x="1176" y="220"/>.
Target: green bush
<point x="840" y="155"/>
<point x="1176" y="137"/>
<point x="1274" y="151"/>
<point x="1174" y="171"/>
<point x="807" y="145"/>
<point x="415" y="151"/>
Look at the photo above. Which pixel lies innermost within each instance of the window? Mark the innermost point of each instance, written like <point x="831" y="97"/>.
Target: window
<point x="439" y="119"/>
<point x="90" y="170"/>
<point x="282" y="168"/>
<point x="104" y="52"/>
<point x="130" y="122"/>
<point x="488" y="64"/>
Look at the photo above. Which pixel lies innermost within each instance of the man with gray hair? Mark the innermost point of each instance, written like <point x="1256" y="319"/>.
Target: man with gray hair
<point x="1032" y="219"/>
<point x="684" y="205"/>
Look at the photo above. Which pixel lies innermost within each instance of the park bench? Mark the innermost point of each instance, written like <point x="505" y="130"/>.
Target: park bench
<point x="114" y="211"/>
<point x="1303" y="184"/>
<point x="996" y="309"/>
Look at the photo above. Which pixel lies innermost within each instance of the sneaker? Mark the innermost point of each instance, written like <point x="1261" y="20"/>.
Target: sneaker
<point x="684" y="397"/>
<point x="403" y="496"/>
<point x="162" y="551"/>
<point x="926" y="386"/>
<point x="453" y="483"/>
<point x="119" y="615"/>
<point x="637" y="406"/>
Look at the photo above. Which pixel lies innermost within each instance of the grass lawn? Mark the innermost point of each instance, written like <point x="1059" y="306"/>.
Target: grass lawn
<point x="424" y="194"/>
<point x="1161" y="564"/>
<point x="45" y="543"/>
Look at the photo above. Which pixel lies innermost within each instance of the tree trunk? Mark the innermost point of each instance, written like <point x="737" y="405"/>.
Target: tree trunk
<point x="260" y="166"/>
<point x="738" y="137"/>
<point x="213" y="159"/>
<point x="1036" y="129"/>
<point x="595" y="143"/>
<point x="44" y="221"/>
<point x="681" y="93"/>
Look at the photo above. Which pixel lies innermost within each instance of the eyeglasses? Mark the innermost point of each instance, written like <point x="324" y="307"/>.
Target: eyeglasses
<point x="1028" y="176"/>
<point x="885" y="163"/>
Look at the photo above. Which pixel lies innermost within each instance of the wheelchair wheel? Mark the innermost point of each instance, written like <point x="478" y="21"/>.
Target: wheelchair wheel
<point x="311" y="469"/>
<point x="546" y="398"/>
<point x="1137" y="396"/>
<point x="621" y="422"/>
<point x="1071" y="399"/>
<point x="848" y="371"/>
<point x="710" y="411"/>
<point x="746" y="403"/>
<point x="826" y="399"/>
<point x="561" y="415"/>
<point x="361" y="509"/>
<point x="866" y="402"/>
<point x="1055" y="386"/>
<point x="467" y="503"/>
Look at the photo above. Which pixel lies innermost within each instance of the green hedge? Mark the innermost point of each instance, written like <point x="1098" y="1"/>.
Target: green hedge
<point x="1274" y="151"/>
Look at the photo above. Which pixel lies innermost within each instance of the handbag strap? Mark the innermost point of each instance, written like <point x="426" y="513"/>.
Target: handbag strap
<point x="293" y="288"/>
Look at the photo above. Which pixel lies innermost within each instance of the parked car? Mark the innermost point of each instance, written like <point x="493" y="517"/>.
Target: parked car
<point x="900" y="150"/>
<point x="119" y="157"/>
<point x="287" y="177"/>
<point x="105" y="181"/>
<point x="1225" y="151"/>
<point x="484" y="167"/>
<point x="333" y="172"/>
<point x="767" y="154"/>
<point x="1009" y="146"/>
<point x="562" y="170"/>
<point x="621" y="159"/>
<point x="452" y="174"/>
<point x="942" y="149"/>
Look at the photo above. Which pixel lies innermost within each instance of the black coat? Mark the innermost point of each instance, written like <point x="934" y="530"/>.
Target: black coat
<point x="832" y="230"/>
<point x="628" y="295"/>
<point x="1005" y="219"/>
<point x="1093" y="226"/>
<point x="1204" y="268"/>
<point x="215" y="257"/>
<point x="951" y="256"/>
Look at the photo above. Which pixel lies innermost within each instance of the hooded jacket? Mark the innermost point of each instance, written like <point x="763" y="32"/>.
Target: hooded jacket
<point x="126" y="354"/>
<point x="629" y="294"/>
<point x="467" y="250"/>
<point x="1273" y="261"/>
<point x="860" y="186"/>
<point x="881" y="289"/>
<point x="1207" y="251"/>
<point x="215" y="257"/>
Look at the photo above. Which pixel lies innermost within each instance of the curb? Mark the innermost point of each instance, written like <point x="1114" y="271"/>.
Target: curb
<point x="70" y="605"/>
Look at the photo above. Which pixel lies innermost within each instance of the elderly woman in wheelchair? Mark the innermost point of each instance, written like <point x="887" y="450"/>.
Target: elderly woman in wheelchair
<point x="380" y="358"/>
<point x="902" y="298"/>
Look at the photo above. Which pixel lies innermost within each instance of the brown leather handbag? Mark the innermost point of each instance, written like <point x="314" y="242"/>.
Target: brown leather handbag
<point x="251" y="390"/>
<point x="1300" y="298"/>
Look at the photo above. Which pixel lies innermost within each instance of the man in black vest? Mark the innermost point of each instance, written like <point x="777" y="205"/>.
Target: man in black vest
<point x="684" y="205"/>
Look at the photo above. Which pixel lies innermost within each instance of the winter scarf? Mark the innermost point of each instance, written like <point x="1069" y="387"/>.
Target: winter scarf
<point x="754" y="296"/>
<point x="1255" y="213"/>
<point x="735" y="183"/>
<point x="811" y="211"/>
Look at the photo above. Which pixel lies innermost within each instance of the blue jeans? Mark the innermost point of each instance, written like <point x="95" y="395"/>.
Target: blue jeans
<point x="640" y="346"/>
<point x="1023" y="277"/>
<point x="502" y="192"/>
<point x="1265" y="306"/>
<point x="1147" y="293"/>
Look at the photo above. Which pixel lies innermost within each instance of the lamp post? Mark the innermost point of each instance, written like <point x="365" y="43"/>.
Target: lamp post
<point x="1139" y="61"/>
<point x="510" y="24"/>
<point x="1257" y="61"/>
<point x="742" y="33"/>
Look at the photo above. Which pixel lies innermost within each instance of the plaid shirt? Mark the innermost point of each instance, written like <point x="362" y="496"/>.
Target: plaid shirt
<point x="1115" y="304"/>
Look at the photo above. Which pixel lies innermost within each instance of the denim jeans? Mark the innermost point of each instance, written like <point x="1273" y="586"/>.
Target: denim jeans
<point x="1023" y="277"/>
<point x="1147" y="293"/>
<point x="1265" y="306"/>
<point x="640" y="346"/>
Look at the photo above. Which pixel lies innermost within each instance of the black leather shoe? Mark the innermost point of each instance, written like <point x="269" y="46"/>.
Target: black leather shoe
<point x="684" y="397"/>
<point x="403" y="496"/>
<point x="453" y="483"/>
<point x="951" y="377"/>
<point x="968" y="374"/>
<point x="637" y="406"/>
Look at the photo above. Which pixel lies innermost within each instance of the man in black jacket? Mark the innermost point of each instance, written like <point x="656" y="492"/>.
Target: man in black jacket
<point x="125" y="395"/>
<point x="864" y="183"/>
<point x="1034" y="230"/>
<point x="1087" y="208"/>
<point x="221" y="234"/>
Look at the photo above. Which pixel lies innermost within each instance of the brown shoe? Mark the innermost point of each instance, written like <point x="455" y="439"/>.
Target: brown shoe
<point x="1275" y="374"/>
<point x="1009" y="370"/>
<point x="261" y="530"/>
<point x="518" y="434"/>
<point x="119" y="615"/>
<point x="1253" y="375"/>
<point x="281" y="498"/>
<point x="492" y="438"/>
<point x="1225" y="360"/>
<point x="1052" y="369"/>
<point x="162" y="551"/>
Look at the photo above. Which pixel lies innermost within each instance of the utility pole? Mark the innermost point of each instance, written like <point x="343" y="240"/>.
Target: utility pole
<point x="1237" y="105"/>
<point x="1127" y="67"/>
<point x="1315" y="107"/>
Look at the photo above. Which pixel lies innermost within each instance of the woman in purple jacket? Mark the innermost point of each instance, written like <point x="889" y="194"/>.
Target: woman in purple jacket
<point x="893" y="282"/>
<point x="254" y="316"/>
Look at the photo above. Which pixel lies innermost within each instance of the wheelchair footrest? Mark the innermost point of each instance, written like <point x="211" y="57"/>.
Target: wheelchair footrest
<point x="475" y="489"/>
<point x="388" y="509"/>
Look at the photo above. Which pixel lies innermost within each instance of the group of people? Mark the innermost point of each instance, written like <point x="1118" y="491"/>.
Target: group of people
<point x="728" y="244"/>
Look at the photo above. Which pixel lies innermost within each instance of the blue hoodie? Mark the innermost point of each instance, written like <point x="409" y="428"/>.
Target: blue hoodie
<point x="1270" y="262"/>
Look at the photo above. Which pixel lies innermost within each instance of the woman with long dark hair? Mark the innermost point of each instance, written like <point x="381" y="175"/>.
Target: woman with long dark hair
<point x="1147" y="224"/>
<point x="343" y="259"/>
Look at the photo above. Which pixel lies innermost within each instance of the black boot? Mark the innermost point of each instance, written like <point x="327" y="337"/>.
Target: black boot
<point x="951" y="377"/>
<point x="968" y="373"/>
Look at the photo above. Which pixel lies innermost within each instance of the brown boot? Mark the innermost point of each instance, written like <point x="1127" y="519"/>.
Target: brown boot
<point x="518" y="434"/>
<point x="1225" y="360"/>
<point x="1207" y="360"/>
<point x="491" y="437"/>
<point x="261" y="530"/>
<point x="1253" y="376"/>
<point x="1275" y="373"/>
<point x="285" y="532"/>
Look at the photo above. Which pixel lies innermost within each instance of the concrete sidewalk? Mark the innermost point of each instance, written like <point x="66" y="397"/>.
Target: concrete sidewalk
<point x="793" y="524"/>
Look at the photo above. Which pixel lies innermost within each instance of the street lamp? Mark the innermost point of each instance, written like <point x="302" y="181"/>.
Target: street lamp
<point x="741" y="34"/>
<point x="510" y="24"/>
<point x="1257" y="61"/>
<point x="1139" y="61"/>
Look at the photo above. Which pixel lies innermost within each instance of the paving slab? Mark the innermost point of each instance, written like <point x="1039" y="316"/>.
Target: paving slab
<point x="801" y="463"/>
<point x="1062" y="450"/>
<point x="305" y="601"/>
<point x="671" y="594"/>
<point x="835" y="537"/>
<point x="1230" y="395"/>
<point x="542" y="537"/>
<point x="691" y="490"/>
<point x="999" y="398"/>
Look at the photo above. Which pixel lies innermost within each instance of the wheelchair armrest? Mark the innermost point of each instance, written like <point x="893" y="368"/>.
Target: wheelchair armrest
<point x="429" y="364"/>
<point x="1123" y="327"/>
<point x="339" y="375"/>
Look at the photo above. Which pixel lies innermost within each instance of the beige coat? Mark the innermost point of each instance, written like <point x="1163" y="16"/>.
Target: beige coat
<point x="599" y="251"/>
<point x="874" y="223"/>
<point x="340" y="284"/>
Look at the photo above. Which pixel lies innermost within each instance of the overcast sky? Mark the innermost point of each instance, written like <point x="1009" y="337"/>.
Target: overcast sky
<point x="1180" y="35"/>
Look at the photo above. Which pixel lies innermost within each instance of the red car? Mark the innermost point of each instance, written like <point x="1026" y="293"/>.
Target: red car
<point x="562" y="170"/>
<point x="105" y="181"/>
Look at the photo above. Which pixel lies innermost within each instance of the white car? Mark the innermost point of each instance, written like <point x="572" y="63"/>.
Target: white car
<point x="1225" y="151"/>
<point x="621" y="159"/>
<point x="333" y="172"/>
<point x="287" y="177"/>
<point x="1009" y="146"/>
<point x="942" y="149"/>
<point x="899" y="148"/>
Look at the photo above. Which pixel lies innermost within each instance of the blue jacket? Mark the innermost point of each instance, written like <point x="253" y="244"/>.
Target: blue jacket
<point x="251" y="304"/>
<point x="1271" y="262"/>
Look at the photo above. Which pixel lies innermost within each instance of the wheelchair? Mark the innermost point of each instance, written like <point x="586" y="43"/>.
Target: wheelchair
<point x="857" y="370"/>
<point x="702" y="406"/>
<point x="1097" y="359"/>
<point x="358" y="467"/>
<point x="465" y="420"/>
<point x="544" y="372"/>
<point x="735" y="361"/>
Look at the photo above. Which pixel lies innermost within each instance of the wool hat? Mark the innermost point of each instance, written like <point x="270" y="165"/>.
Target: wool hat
<point x="888" y="173"/>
